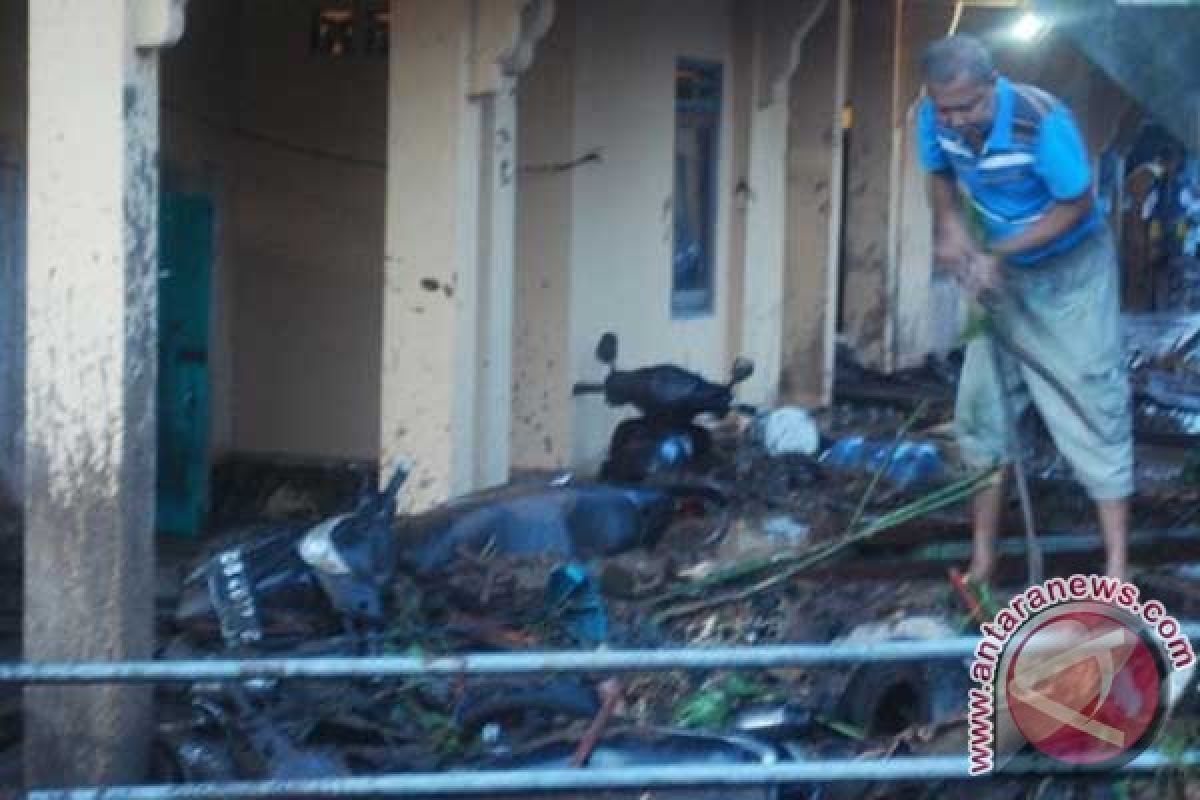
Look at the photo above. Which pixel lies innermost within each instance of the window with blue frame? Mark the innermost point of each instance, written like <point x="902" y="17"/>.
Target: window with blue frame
<point x="697" y="155"/>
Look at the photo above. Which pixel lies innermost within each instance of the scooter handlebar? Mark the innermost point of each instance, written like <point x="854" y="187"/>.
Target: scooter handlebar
<point x="585" y="387"/>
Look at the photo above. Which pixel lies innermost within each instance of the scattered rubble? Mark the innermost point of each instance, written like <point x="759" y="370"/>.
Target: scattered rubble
<point x="539" y="567"/>
<point x="1164" y="361"/>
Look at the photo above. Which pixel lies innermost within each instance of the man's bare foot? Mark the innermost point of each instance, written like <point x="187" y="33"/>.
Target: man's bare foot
<point x="979" y="573"/>
<point x="1114" y="526"/>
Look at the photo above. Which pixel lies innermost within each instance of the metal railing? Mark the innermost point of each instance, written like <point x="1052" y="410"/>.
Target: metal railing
<point x="325" y="668"/>
<point x="491" y="782"/>
<point x="527" y="780"/>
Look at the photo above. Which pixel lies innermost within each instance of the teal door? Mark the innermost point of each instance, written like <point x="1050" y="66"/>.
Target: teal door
<point x="185" y="248"/>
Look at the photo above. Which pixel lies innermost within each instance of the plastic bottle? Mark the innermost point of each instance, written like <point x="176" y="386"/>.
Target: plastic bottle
<point x="912" y="463"/>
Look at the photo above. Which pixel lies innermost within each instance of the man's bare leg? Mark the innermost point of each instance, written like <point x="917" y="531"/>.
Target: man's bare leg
<point x="1114" y="525"/>
<point x="986" y="510"/>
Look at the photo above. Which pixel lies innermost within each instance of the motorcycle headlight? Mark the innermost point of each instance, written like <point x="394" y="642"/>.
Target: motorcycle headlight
<point x="319" y="552"/>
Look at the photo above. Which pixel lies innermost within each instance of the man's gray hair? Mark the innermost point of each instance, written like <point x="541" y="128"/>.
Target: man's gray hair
<point x="954" y="57"/>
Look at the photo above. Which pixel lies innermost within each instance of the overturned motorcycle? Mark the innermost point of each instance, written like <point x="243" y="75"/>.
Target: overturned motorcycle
<point x="294" y="582"/>
<point x="284" y="585"/>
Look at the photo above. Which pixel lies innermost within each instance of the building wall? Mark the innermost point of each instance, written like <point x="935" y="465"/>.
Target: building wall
<point x="309" y="150"/>
<point x="621" y="234"/>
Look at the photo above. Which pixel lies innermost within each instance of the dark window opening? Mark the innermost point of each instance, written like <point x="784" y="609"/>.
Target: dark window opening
<point x="697" y="156"/>
<point x="345" y="27"/>
<point x="333" y="32"/>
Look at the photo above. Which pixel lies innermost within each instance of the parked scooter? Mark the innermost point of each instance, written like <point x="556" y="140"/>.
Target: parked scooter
<point x="669" y="398"/>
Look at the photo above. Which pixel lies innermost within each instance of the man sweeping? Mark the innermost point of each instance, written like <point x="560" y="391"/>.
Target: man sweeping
<point x="1009" y="158"/>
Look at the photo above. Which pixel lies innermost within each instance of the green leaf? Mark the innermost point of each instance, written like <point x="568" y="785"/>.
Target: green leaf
<point x="844" y="728"/>
<point x="979" y="323"/>
<point x="713" y="704"/>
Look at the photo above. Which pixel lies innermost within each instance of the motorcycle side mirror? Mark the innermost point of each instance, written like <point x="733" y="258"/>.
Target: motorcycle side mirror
<point x="742" y="368"/>
<point x="606" y="349"/>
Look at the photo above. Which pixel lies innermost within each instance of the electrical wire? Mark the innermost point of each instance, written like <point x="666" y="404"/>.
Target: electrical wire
<point x="278" y="143"/>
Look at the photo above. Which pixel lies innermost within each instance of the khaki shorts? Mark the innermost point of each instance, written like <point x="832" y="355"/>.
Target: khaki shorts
<point x="1064" y="312"/>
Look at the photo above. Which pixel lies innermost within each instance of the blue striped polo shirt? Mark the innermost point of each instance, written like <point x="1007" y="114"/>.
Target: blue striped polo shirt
<point x="1033" y="157"/>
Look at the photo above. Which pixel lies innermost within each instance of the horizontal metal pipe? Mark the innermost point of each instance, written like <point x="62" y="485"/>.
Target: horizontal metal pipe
<point x="1056" y="544"/>
<point x="756" y="657"/>
<point x="490" y="782"/>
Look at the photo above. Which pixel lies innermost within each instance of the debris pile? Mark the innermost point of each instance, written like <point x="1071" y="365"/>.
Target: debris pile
<point x="784" y="526"/>
<point x="753" y="548"/>
<point x="1164" y="359"/>
<point x="720" y="559"/>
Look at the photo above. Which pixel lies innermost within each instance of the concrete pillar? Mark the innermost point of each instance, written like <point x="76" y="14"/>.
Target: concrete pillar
<point x="448" y="265"/>
<point x="542" y="418"/>
<point x="742" y="104"/>
<point x="497" y="247"/>
<point x="430" y="255"/>
<point x="866" y="290"/>
<point x="779" y="31"/>
<point x="90" y="414"/>
<point x="762" y="287"/>
<point x="925" y="310"/>
<point x="895" y="308"/>
<point x="814" y="192"/>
